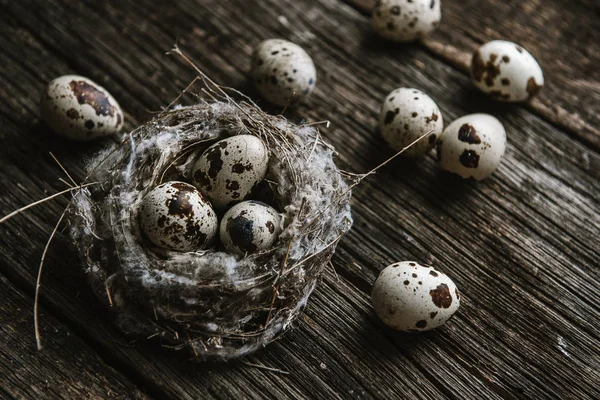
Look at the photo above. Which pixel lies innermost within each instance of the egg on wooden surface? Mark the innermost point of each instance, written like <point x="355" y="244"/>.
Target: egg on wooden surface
<point x="472" y="146"/>
<point x="282" y="71"/>
<point x="228" y="170"/>
<point x="175" y="216"/>
<point x="250" y="226"/>
<point x="406" y="115"/>
<point x="406" y="20"/>
<point x="78" y="108"/>
<point x="506" y="71"/>
<point x="410" y="297"/>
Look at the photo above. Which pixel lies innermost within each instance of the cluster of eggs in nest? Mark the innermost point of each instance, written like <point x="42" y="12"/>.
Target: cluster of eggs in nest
<point x="183" y="217"/>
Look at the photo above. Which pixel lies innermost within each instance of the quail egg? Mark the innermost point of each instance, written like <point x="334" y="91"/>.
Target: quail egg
<point x="472" y="146"/>
<point x="250" y="226"/>
<point x="77" y="108"/>
<point x="404" y="21"/>
<point x="506" y="71"/>
<point x="406" y="115"/>
<point x="282" y="71"/>
<point x="228" y="170"/>
<point x="176" y="216"/>
<point x="410" y="297"/>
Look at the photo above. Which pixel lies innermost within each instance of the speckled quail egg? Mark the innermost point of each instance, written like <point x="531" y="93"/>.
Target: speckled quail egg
<point x="176" y="216"/>
<point x="80" y="109"/>
<point x="406" y="20"/>
<point x="282" y="71"/>
<point x="410" y="297"/>
<point x="472" y="146"/>
<point x="406" y="115"/>
<point x="228" y="170"/>
<point x="506" y="71"/>
<point x="250" y="226"/>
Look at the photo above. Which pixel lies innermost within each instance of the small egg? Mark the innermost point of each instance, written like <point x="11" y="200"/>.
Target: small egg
<point x="472" y="146"/>
<point x="282" y="71"/>
<point x="78" y="108"/>
<point x="250" y="226"/>
<point x="405" y="21"/>
<point x="228" y="170"/>
<point x="506" y="71"/>
<point x="410" y="297"/>
<point x="176" y="216"/>
<point x="406" y="115"/>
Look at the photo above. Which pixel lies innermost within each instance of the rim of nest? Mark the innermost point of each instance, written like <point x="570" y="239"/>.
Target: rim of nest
<point x="283" y="140"/>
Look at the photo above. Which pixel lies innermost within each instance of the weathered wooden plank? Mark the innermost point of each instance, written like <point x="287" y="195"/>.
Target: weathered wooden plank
<point x="68" y="368"/>
<point x="500" y="240"/>
<point x="561" y="34"/>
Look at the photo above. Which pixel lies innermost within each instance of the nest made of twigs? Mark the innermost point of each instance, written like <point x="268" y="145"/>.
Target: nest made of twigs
<point x="215" y="303"/>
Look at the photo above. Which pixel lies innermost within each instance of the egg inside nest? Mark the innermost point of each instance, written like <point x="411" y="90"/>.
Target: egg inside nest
<point x="213" y="302"/>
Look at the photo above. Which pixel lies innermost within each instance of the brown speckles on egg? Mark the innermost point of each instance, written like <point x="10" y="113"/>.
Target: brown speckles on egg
<point x="240" y="168"/>
<point x="230" y="168"/>
<point x="202" y="180"/>
<point x="179" y="204"/>
<point x="477" y="66"/>
<point x="87" y="93"/>
<point x="433" y="273"/>
<point x="404" y="120"/>
<point x="232" y="185"/>
<point x="434" y="117"/>
<point x="532" y="87"/>
<point x="501" y="69"/>
<point x="175" y="216"/>
<point x="485" y="71"/>
<point x="472" y="146"/>
<point x="248" y="227"/>
<point x="72" y="113"/>
<point x="287" y="73"/>
<point x="403" y="21"/>
<point x="421" y="324"/>
<point x="469" y="159"/>
<point x="78" y="108"/>
<point x="440" y="296"/>
<point x="468" y="134"/>
<point x="418" y="305"/>
<point x="240" y="230"/>
<point x="390" y="115"/>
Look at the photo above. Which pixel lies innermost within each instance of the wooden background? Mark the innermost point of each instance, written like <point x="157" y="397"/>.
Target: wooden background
<point x="523" y="246"/>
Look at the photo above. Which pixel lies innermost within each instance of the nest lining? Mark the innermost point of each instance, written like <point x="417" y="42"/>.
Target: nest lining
<point x="217" y="304"/>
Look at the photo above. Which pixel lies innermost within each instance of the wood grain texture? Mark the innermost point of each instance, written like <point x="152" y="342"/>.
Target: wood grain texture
<point x="561" y="34"/>
<point x="67" y="369"/>
<point x="521" y="246"/>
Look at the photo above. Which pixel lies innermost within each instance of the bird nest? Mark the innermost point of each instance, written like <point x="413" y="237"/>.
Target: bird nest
<point x="217" y="304"/>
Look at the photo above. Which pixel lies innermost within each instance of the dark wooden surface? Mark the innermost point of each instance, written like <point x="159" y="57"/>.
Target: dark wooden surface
<point x="523" y="246"/>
